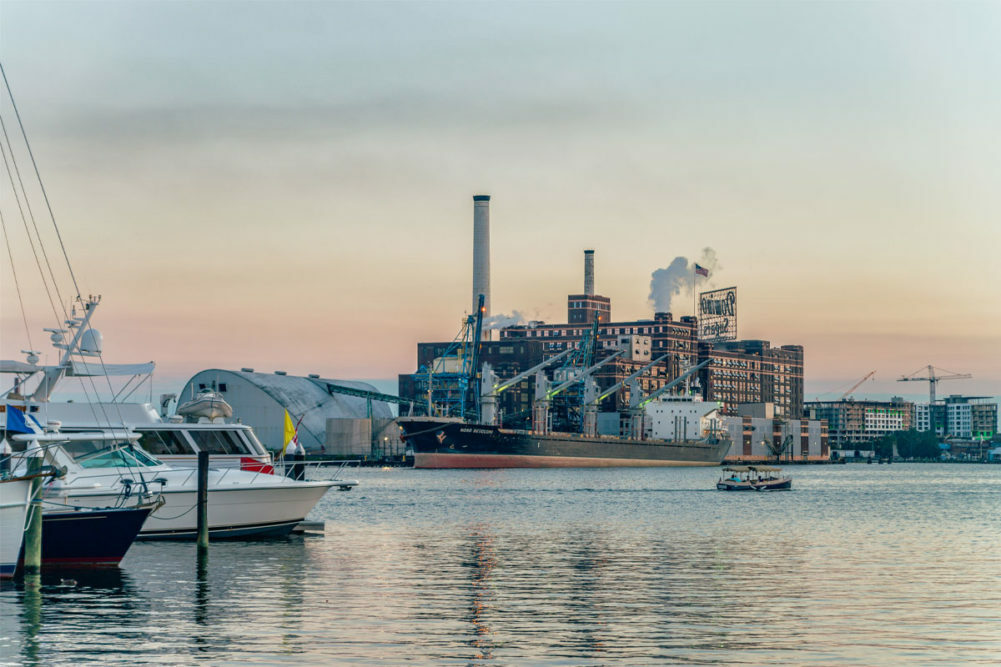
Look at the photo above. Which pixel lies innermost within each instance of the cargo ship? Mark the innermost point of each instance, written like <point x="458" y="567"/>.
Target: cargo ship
<point x="454" y="443"/>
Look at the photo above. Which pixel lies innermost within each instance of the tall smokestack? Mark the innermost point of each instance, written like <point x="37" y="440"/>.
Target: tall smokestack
<point x="589" y="272"/>
<point x="481" y="252"/>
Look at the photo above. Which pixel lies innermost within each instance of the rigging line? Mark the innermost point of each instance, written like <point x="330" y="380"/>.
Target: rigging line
<point x="38" y="175"/>
<point x="31" y="240"/>
<point x="31" y="214"/>
<point x="17" y="284"/>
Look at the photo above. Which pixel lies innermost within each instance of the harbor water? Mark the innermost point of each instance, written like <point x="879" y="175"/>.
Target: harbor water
<point x="859" y="564"/>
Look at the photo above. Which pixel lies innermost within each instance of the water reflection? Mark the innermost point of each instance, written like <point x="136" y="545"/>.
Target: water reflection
<point x="481" y="563"/>
<point x="538" y="567"/>
<point x="31" y="617"/>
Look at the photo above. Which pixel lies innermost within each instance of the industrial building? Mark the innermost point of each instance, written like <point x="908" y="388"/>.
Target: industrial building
<point x="335" y="417"/>
<point x="738" y="372"/>
<point x="759" y="438"/>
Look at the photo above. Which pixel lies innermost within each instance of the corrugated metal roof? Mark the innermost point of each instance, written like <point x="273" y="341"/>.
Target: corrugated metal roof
<point x="307" y="399"/>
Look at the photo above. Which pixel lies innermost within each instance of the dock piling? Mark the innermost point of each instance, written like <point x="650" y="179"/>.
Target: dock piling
<point x="33" y="529"/>
<point x="202" y="504"/>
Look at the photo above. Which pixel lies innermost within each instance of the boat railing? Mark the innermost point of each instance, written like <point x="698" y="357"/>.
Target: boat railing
<point x="332" y="468"/>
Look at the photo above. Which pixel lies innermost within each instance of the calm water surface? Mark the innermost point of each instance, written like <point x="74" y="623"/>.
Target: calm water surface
<point x="858" y="565"/>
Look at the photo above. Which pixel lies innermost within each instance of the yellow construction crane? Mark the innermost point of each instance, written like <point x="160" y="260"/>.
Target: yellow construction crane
<point x="857" y="384"/>
<point x="932" y="379"/>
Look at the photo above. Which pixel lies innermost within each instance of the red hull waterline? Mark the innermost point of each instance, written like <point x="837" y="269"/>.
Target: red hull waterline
<point x="444" y="461"/>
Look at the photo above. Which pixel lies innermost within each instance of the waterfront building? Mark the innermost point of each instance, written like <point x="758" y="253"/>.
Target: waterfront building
<point x="962" y="417"/>
<point x="329" y="420"/>
<point x="756" y="437"/>
<point x="853" y="423"/>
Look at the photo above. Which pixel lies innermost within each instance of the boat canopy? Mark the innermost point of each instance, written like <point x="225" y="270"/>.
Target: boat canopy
<point x="84" y="369"/>
<point x="752" y="469"/>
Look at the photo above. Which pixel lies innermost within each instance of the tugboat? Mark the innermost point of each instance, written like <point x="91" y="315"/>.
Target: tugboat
<point x="754" y="478"/>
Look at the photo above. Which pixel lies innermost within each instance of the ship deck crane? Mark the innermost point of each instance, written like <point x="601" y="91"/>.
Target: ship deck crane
<point x="615" y="387"/>
<point x="636" y="409"/>
<point x="592" y="397"/>
<point x="544" y="393"/>
<point x="932" y="379"/>
<point x="673" y="383"/>
<point x="490" y="389"/>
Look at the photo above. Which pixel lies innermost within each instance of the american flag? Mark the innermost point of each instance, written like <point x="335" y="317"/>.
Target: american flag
<point x="701" y="270"/>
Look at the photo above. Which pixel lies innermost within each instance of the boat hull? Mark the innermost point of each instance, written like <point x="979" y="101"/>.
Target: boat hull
<point x="90" y="538"/>
<point x="450" y="444"/>
<point x="784" y="484"/>
<point x="237" y="512"/>
<point x="13" y="512"/>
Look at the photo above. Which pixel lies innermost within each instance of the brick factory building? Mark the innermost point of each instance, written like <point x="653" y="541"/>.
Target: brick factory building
<point x="740" y="372"/>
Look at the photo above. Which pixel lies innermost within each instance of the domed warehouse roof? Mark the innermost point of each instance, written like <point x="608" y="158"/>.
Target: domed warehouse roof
<point x="261" y="399"/>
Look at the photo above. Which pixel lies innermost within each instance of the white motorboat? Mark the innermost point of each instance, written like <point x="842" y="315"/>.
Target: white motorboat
<point x="108" y="469"/>
<point x="102" y="446"/>
<point x="15" y="497"/>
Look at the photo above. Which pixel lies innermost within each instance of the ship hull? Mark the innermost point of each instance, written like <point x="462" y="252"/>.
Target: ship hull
<point x="451" y="444"/>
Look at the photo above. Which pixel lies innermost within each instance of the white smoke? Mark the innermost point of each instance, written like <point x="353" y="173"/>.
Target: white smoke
<point x="501" y="320"/>
<point x="665" y="284"/>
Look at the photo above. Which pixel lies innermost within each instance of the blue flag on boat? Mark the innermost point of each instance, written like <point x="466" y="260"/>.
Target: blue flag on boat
<point x="16" y="422"/>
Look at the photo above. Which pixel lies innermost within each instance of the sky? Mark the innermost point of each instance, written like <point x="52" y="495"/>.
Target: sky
<point x="289" y="185"/>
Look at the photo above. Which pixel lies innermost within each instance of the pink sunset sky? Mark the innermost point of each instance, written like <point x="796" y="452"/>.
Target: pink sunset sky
<point x="288" y="186"/>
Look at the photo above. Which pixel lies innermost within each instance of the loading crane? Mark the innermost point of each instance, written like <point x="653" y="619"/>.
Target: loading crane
<point x="638" y="402"/>
<point x="932" y="379"/>
<point x="857" y="385"/>
<point x="490" y="388"/>
<point x="544" y="393"/>
<point x="592" y="397"/>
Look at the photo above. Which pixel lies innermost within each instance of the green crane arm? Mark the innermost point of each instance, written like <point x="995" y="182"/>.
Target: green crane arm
<point x="615" y="387"/>
<point x="672" y="383"/>
<point x="531" y="371"/>
<point x="584" y="374"/>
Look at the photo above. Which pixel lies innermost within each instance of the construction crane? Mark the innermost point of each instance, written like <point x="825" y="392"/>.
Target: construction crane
<point x="932" y="379"/>
<point x="857" y="385"/>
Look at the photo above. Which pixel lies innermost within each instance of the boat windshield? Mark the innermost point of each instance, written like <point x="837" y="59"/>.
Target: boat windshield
<point x="103" y="454"/>
<point x="219" y="442"/>
<point x="164" y="442"/>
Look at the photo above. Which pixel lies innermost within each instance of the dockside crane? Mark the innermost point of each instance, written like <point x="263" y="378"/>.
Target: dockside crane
<point x="544" y="392"/>
<point x="638" y="402"/>
<point x="857" y="385"/>
<point x="932" y="379"/>
<point x="593" y="397"/>
<point x="491" y="388"/>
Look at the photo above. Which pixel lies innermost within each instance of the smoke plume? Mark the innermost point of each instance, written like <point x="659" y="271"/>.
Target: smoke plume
<point x="665" y="284"/>
<point x="501" y="320"/>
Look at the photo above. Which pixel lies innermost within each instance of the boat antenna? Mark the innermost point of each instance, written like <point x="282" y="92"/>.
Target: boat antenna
<point x="41" y="184"/>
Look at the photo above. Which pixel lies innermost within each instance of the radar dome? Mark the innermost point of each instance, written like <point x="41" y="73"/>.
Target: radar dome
<point x="91" y="342"/>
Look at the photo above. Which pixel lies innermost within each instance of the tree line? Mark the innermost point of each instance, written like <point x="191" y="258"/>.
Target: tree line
<point x="910" y="445"/>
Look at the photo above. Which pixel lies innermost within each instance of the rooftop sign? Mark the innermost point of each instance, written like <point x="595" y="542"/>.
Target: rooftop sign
<point x="718" y="314"/>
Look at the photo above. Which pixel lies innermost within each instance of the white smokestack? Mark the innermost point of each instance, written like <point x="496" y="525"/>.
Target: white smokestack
<point x="589" y="272"/>
<point x="481" y="252"/>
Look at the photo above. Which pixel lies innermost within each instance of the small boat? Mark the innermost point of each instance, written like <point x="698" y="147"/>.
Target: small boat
<point x="208" y="405"/>
<point x="754" y="478"/>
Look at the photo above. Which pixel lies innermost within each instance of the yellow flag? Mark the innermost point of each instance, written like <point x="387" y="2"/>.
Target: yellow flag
<point x="289" y="432"/>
